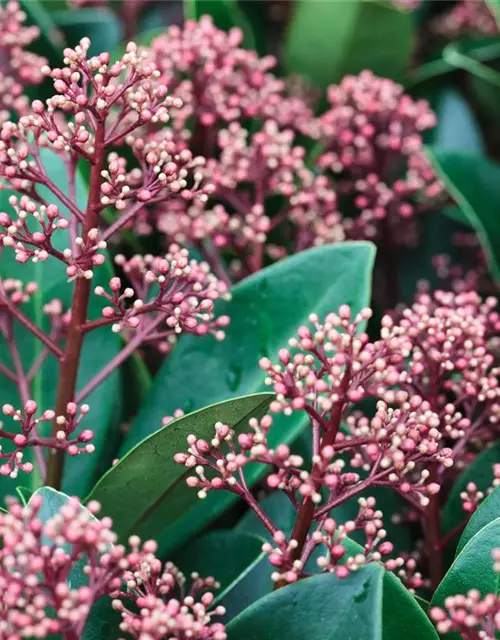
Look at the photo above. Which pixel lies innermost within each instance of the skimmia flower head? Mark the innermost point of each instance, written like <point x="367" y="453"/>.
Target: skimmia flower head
<point x="38" y="557"/>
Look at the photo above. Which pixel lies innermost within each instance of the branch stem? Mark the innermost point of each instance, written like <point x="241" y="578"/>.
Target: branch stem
<point x="70" y="363"/>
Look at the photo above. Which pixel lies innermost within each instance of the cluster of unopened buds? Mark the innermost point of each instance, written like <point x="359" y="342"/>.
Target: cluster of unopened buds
<point x="29" y="434"/>
<point x="472" y="496"/>
<point x="38" y="558"/>
<point x="465" y="18"/>
<point x="369" y="154"/>
<point x="433" y="375"/>
<point x="177" y="292"/>
<point x="218" y="80"/>
<point x="330" y="540"/>
<point x="37" y="246"/>
<point x="18" y="67"/>
<point x="472" y="615"/>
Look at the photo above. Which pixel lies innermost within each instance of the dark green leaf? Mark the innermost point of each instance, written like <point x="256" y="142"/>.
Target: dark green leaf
<point x="488" y="511"/>
<point x="225" y="14"/>
<point x="457" y="128"/>
<point x="100" y="25"/>
<point x="319" y="608"/>
<point x="265" y="312"/>
<point x="472" y="569"/>
<point x="326" y="608"/>
<point x="51" y="38"/>
<point x="453" y="55"/>
<point x="232" y="558"/>
<point x="480" y="472"/>
<point x="468" y="178"/>
<point x="473" y="566"/>
<point x="146" y="491"/>
<point x="100" y="346"/>
<point x="327" y="40"/>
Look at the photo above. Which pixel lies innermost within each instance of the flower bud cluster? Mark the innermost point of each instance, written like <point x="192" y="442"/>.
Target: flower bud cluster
<point x="38" y="559"/>
<point x="372" y="144"/>
<point x="37" y="245"/>
<point x="166" y="170"/>
<point x="472" y="497"/>
<point x="177" y="293"/>
<point x="20" y="68"/>
<point x="218" y="80"/>
<point x="472" y="615"/>
<point x="465" y="18"/>
<point x="451" y="364"/>
<point x="335" y="364"/>
<point x="330" y="538"/>
<point x="28" y="429"/>
<point x="17" y="291"/>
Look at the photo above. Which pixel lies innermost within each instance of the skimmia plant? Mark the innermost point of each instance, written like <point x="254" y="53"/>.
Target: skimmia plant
<point x="311" y="458"/>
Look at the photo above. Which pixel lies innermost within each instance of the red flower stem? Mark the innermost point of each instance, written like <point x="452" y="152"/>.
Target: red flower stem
<point x="69" y="366"/>
<point x="256" y="508"/>
<point x="7" y="373"/>
<point x="23" y="388"/>
<point x="307" y="509"/>
<point x="119" y="359"/>
<point x="121" y="221"/>
<point x="41" y="178"/>
<point x="212" y="256"/>
<point x="453" y="532"/>
<point x="36" y="331"/>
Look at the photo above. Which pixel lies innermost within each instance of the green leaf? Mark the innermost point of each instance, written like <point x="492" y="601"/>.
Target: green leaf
<point x="327" y="40"/>
<point x="480" y="472"/>
<point x="51" y="38"/>
<point x="488" y="511"/>
<point x="457" y="128"/>
<point x="266" y="310"/>
<point x="325" y="607"/>
<point x="102" y="623"/>
<point x="146" y="491"/>
<point x="232" y="558"/>
<point x="100" y="25"/>
<point x="225" y="14"/>
<point x="319" y="608"/>
<point x="468" y="178"/>
<point x="472" y="568"/>
<point x="99" y="347"/>
<point x="454" y="56"/>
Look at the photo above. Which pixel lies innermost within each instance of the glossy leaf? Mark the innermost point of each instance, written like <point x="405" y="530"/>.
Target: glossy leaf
<point x="99" y="347"/>
<point x="494" y="6"/>
<point x="473" y="566"/>
<point x="318" y="608"/>
<point x="488" y="511"/>
<point x="480" y="472"/>
<point x="326" y="608"/>
<point x="226" y="14"/>
<point x="468" y="178"/>
<point x="232" y="558"/>
<point x="51" y="37"/>
<point x="327" y="40"/>
<point x="457" y="128"/>
<point x="100" y="25"/>
<point x="146" y="491"/>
